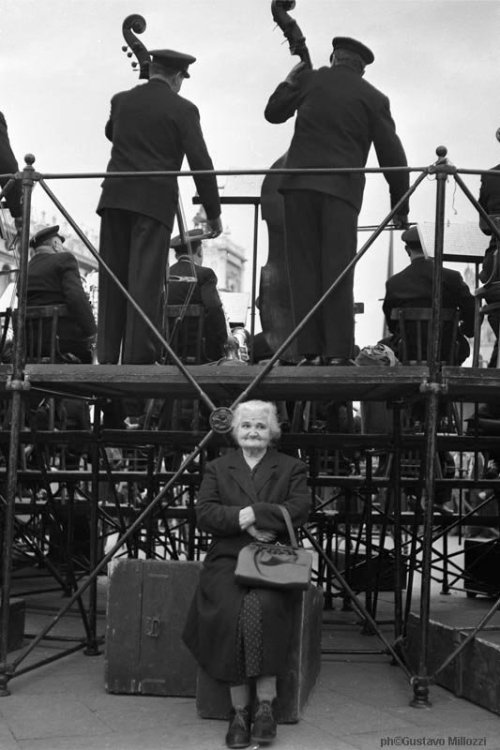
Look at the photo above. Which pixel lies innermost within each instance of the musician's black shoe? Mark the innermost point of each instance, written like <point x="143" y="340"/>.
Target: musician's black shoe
<point x="337" y="362"/>
<point x="133" y="423"/>
<point x="311" y="360"/>
<point x="492" y="470"/>
<point x="238" y="733"/>
<point x="264" y="725"/>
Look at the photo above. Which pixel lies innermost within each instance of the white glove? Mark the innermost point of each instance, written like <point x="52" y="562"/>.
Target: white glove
<point x="215" y="226"/>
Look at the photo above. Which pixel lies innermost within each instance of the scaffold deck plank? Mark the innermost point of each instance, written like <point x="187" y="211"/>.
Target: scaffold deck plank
<point x="224" y="383"/>
<point x="472" y="383"/>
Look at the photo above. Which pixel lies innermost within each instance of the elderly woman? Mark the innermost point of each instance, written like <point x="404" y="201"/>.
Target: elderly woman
<point x="241" y="635"/>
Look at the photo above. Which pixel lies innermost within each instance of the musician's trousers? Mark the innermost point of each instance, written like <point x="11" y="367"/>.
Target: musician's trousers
<point x="321" y="239"/>
<point x="135" y="247"/>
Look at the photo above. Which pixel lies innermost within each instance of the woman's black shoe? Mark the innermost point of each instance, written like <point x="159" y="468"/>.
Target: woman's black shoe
<point x="264" y="725"/>
<point x="238" y="733"/>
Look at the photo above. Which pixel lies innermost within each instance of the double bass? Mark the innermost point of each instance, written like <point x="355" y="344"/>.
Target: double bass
<point x="274" y="293"/>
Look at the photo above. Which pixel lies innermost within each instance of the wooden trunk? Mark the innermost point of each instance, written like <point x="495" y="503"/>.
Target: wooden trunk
<point x="148" y="601"/>
<point x="212" y="697"/>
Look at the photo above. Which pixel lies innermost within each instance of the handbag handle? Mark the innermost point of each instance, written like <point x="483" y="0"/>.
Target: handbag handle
<point x="288" y="522"/>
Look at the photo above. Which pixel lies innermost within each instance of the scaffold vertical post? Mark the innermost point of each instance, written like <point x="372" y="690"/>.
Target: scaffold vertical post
<point x="92" y="647"/>
<point x="395" y="488"/>
<point x="17" y="385"/>
<point x="432" y="391"/>
<point x="255" y="246"/>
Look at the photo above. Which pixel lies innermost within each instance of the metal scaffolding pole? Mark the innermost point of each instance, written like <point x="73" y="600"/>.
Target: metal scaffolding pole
<point x="17" y="385"/>
<point x="432" y="391"/>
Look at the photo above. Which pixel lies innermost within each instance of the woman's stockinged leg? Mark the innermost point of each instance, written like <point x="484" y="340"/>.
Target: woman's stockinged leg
<point x="265" y="687"/>
<point x="264" y="725"/>
<point x="240" y="695"/>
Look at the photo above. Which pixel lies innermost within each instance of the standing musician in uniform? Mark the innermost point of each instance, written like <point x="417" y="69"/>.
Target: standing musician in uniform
<point x="339" y="116"/>
<point x="8" y="164"/>
<point x="151" y="128"/>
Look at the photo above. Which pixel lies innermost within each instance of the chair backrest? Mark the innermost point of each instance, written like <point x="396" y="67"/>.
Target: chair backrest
<point x="41" y="332"/>
<point x="5" y="330"/>
<point x="184" y="331"/>
<point x="484" y="227"/>
<point x="414" y="328"/>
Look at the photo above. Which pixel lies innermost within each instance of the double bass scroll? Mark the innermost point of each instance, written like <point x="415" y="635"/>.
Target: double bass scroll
<point x="132" y="25"/>
<point x="288" y="25"/>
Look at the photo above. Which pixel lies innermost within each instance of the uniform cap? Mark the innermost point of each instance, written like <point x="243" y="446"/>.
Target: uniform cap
<point x="345" y="42"/>
<point x="45" y="234"/>
<point x="194" y="235"/>
<point x="169" y="58"/>
<point x="412" y="237"/>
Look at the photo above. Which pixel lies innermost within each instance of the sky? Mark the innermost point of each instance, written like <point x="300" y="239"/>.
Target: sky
<point x="437" y="61"/>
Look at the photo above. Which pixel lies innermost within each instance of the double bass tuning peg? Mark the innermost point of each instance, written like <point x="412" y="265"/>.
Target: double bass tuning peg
<point x="124" y="48"/>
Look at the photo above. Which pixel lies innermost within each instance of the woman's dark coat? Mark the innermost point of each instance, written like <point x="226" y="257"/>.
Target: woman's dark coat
<point x="211" y="628"/>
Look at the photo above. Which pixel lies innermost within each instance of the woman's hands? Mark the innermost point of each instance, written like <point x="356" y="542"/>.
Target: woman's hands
<point x="246" y="517"/>
<point x="247" y="523"/>
<point x="260" y="535"/>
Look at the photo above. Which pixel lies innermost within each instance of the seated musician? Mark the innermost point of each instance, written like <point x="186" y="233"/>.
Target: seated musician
<point x="54" y="279"/>
<point x="412" y="287"/>
<point x="190" y="282"/>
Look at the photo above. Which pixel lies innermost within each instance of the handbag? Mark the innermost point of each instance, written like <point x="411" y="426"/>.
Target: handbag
<point x="275" y="566"/>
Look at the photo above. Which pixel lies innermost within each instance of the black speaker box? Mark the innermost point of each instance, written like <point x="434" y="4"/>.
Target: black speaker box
<point x="482" y="566"/>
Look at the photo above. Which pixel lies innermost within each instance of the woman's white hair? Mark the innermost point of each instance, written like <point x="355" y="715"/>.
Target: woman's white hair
<point x="255" y="405"/>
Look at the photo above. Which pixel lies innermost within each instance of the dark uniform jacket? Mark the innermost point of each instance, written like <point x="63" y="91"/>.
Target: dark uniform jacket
<point x="54" y="279"/>
<point x="204" y="292"/>
<point x="227" y="486"/>
<point x="412" y="287"/>
<point x="489" y="199"/>
<point x="153" y="128"/>
<point x="489" y="192"/>
<point x="8" y="164"/>
<point x="339" y="116"/>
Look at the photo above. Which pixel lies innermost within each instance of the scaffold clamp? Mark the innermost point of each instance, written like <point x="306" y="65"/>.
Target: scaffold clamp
<point x="438" y="388"/>
<point x="18" y="384"/>
<point x="443" y="168"/>
<point x="221" y="419"/>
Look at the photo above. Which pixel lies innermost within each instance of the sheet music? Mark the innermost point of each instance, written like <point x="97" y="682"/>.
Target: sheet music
<point x="235" y="306"/>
